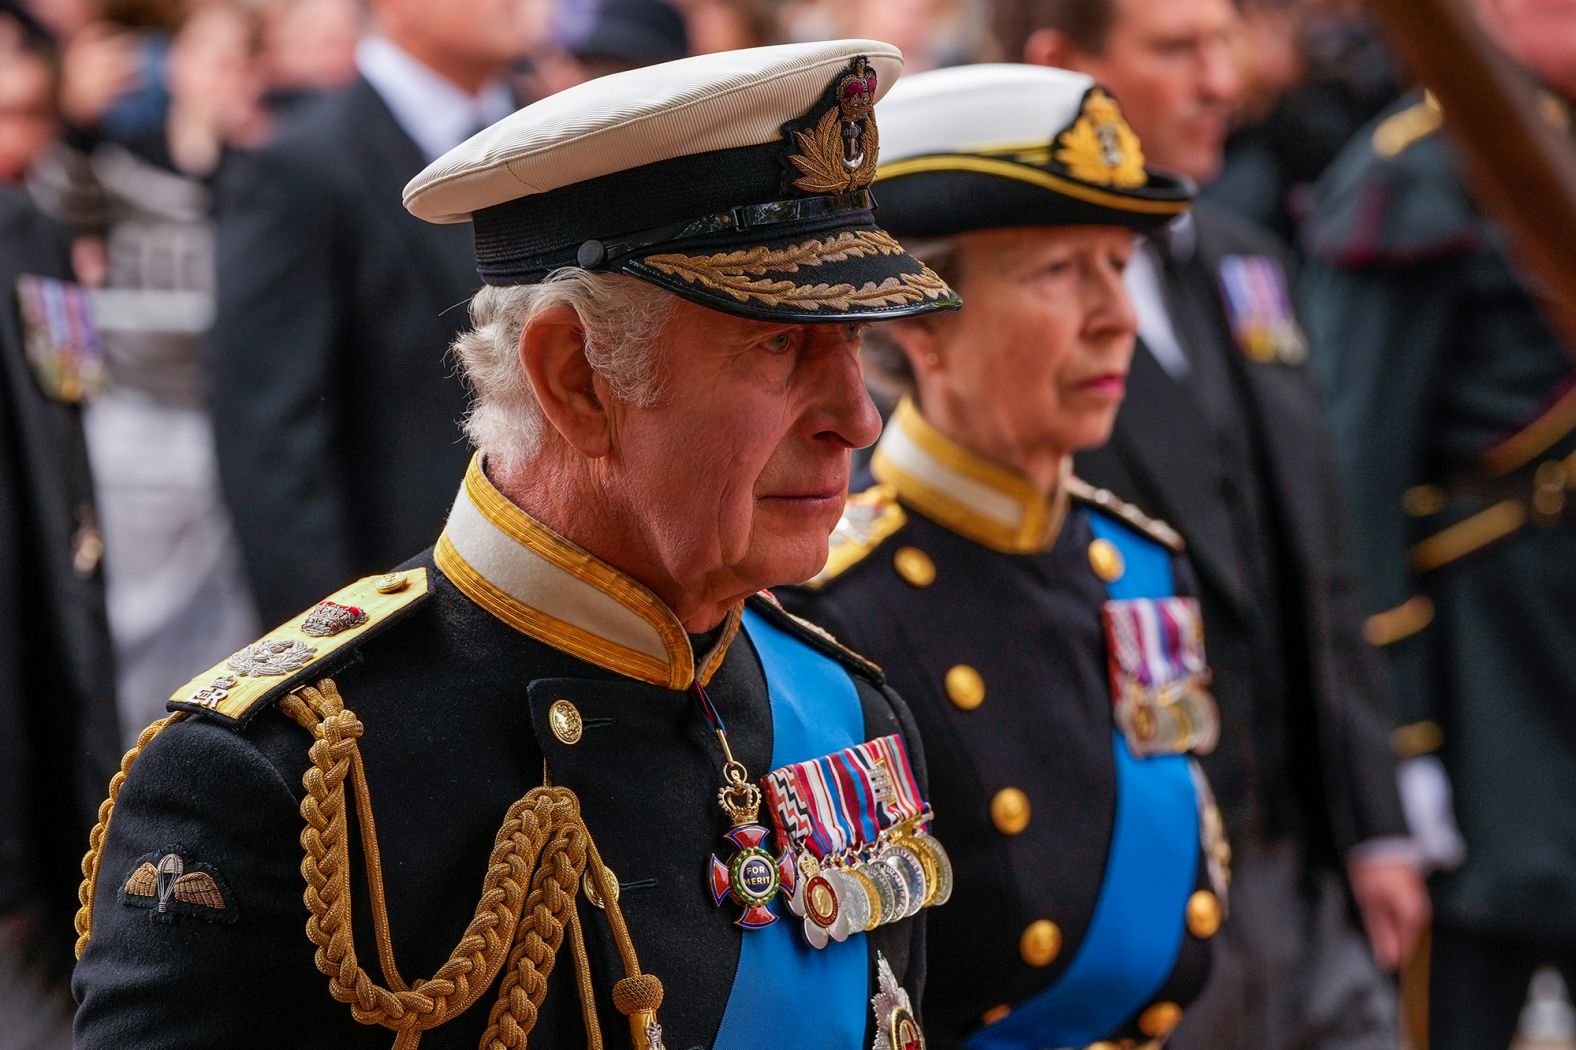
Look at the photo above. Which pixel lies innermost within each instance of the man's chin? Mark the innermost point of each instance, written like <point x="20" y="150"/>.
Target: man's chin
<point x="789" y="562"/>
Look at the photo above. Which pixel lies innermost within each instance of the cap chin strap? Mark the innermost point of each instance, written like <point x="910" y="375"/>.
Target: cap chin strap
<point x="600" y="254"/>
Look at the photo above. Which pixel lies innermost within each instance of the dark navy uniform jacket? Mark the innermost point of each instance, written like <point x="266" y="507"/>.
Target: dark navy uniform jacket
<point x="453" y="677"/>
<point x="984" y="603"/>
<point x="1453" y="407"/>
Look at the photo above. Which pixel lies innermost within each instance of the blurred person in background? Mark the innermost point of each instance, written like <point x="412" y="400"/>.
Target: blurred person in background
<point x="931" y="33"/>
<point x="728" y="25"/>
<point x="29" y="114"/>
<point x="309" y="48"/>
<point x="177" y="589"/>
<point x="1314" y="74"/>
<point x="1453" y="405"/>
<point x="339" y="428"/>
<point x="57" y="709"/>
<point x="627" y="34"/>
<point x="1222" y="434"/>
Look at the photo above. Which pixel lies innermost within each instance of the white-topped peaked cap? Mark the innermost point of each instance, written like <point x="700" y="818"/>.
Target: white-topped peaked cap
<point x="1001" y="144"/>
<point x="736" y="179"/>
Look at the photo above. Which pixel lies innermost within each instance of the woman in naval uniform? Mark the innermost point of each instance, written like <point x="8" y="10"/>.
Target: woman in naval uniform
<point x="1040" y="629"/>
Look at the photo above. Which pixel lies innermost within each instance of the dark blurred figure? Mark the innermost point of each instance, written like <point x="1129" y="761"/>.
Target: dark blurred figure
<point x="1314" y="74"/>
<point x="1453" y="405"/>
<point x="1221" y="435"/>
<point x="338" y="433"/>
<point x="58" y="743"/>
<point x="579" y="40"/>
<point x="628" y="34"/>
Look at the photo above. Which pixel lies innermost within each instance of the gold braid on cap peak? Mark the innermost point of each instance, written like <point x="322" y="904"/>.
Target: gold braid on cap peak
<point x="741" y="274"/>
<point x="539" y="857"/>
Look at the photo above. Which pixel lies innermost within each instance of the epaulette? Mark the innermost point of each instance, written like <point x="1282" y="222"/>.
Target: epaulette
<point x="303" y="649"/>
<point x="868" y="519"/>
<point x="814" y="635"/>
<point x="1397" y="132"/>
<point x="1155" y="529"/>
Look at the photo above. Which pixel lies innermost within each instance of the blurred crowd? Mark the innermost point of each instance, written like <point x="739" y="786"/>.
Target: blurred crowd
<point x="264" y="384"/>
<point x="126" y="122"/>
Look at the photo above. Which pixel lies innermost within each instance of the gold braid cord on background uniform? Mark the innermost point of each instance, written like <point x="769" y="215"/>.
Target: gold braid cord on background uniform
<point x="527" y="904"/>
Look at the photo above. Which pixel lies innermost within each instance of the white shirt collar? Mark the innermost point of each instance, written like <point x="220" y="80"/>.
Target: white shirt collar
<point x="434" y="111"/>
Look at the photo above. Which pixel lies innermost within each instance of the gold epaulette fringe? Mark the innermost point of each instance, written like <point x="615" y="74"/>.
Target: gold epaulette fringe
<point x="1154" y="528"/>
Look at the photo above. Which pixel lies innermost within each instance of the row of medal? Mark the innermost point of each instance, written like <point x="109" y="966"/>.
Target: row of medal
<point x="857" y="892"/>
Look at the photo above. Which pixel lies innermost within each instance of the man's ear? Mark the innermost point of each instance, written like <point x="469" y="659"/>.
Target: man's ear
<point x="1051" y="47"/>
<point x="553" y="354"/>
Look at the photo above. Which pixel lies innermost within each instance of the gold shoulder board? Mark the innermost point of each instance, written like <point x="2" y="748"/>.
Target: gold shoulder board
<point x="299" y="650"/>
<point x="1154" y="528"/>
<point x="868" y="519"/>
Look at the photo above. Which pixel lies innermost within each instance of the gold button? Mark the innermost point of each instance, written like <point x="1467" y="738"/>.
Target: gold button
<point x="564" y="718"/>
<point x="391" y="583"/>
<point x="1009" y="811"/>
<point x="1041" y="942"/>
<point x="915" y="566"/>
<point x="1160" y="1020"/>
<point x="1106" y="560"/>
<point x="965" y="687"/>
<point x="1103" y="1046"/>
<point x="1203" y="914"/>
<point x="995" y="1013"/>
<point x="593" y="894"/>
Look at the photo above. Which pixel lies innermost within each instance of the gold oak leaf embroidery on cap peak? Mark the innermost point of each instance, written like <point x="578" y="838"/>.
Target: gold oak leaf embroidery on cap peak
<point x="1100" y="147"/>
<point x="740" y="274"/>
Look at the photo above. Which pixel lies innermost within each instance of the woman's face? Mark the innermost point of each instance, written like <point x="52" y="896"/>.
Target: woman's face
<point x="1041" y="349"/>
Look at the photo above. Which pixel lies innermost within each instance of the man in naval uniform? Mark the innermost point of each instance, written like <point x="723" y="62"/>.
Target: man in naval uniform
<point x="1453" y="405"/>
<point x="572" y="732"/>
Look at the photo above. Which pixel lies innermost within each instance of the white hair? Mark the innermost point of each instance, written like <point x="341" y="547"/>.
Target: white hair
<point x="622" y="317"/>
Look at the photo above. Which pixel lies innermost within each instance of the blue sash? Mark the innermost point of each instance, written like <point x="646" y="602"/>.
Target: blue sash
<point x="1135" y="934"/>
<point x="786" y="993"/>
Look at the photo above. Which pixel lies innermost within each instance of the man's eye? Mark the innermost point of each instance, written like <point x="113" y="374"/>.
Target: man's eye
<point x="779" y="344"/>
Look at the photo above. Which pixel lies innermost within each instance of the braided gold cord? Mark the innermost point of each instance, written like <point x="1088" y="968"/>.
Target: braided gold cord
<point x="527" y="901"/>
<point x="94" y="855"/>
<point x="550" y="908"/>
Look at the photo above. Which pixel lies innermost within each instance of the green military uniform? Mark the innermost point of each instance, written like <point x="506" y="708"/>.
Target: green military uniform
<point x="1453" y="407"/>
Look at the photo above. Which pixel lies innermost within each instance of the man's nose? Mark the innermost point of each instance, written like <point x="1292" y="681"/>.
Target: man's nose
<point x="843" y="412"/>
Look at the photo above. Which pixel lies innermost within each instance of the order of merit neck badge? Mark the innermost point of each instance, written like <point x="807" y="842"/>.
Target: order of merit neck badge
<point x="752" y="877"/>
